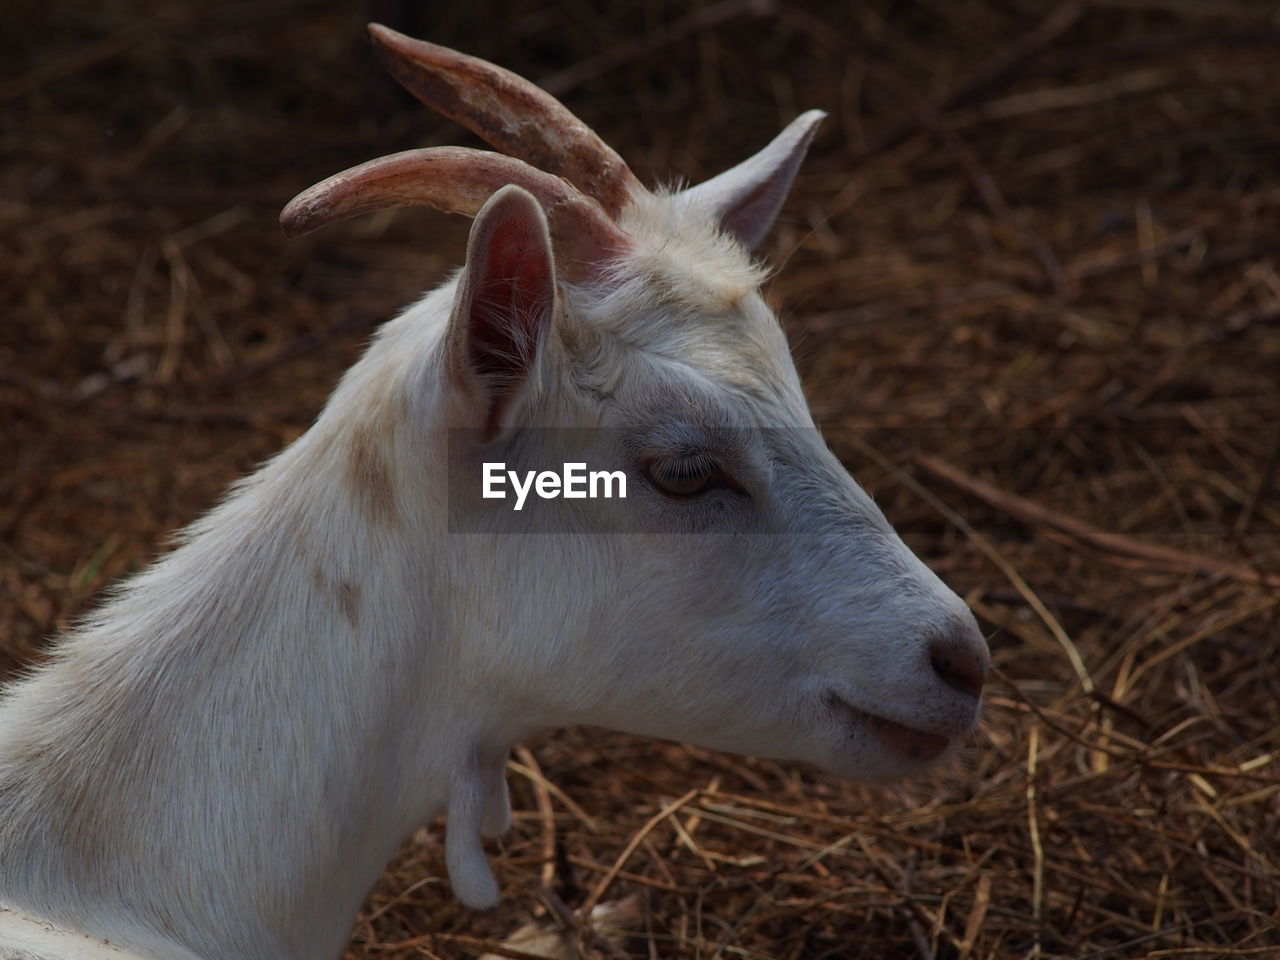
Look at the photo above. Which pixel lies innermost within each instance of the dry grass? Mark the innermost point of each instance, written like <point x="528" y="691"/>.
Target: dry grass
<point x="1031" y="275"/>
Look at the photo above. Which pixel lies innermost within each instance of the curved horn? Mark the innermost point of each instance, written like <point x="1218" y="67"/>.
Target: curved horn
<point x="509" y="113"/>
<point x="460" y="180"/>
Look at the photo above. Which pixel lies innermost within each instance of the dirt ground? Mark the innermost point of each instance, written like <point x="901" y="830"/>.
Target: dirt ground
<point x="1030" y="277"/>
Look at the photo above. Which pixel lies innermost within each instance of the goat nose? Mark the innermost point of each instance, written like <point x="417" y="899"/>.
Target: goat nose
<point x="960" y="659"/>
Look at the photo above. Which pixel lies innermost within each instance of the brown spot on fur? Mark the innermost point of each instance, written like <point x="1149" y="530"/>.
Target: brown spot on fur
<point x="369" y="477"/>
<point x="348" y="595"/>
<point x="344" y="592"/>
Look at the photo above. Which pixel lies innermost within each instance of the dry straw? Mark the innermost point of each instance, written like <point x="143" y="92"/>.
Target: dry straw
<point x="1032" y="276"/>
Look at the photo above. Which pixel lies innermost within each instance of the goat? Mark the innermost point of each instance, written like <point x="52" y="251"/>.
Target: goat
<point x="220" y="760"/>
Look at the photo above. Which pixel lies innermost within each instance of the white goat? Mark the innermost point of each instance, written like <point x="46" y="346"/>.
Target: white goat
<point x="218" y="763"/>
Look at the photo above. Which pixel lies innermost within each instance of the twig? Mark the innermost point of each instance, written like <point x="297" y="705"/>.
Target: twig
<point x="212" y="415"/>
<point x="998" y="69"/>
<point x="1149" y="47"/>
<point x="576" y="935"/>
<point x="1057" y="727"/>
<point x="1265" y="480"/>
<point x="1077" y="97"/>
<point x="299" y="346"/>
<point x="603" y="884"/>
<point x="975" y="170"/>
<point x="928" y="117"/>
<point x="545" y="813"/>
<point x="1237" y="615"/>
<point x="1164" y="558"/>
<point x="616" y="54"/>
<point x="82" y="59"/>
<point x="1085" y="269"/>
<point x="978" y="913"/>
<point x="913" y="923"/>
<point x="474" y="944"/>
<point x="535" y="775"/>
<point x="176" y="317"/>
<point x="1242" y="319"/>
<point x="1037" y="850"/>
<point x="921" y="914"/>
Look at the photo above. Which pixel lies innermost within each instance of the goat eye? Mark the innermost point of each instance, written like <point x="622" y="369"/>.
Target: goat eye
<point x="683" y="476"/>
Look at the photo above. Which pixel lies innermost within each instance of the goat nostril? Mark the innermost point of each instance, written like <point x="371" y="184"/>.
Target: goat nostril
<point x="959" y="666"/>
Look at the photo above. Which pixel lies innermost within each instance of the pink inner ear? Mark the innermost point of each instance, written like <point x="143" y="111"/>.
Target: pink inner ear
<point x="511" y="303"/>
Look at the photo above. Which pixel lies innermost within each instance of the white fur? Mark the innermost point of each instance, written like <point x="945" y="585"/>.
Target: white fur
<point x="220" y="760"/>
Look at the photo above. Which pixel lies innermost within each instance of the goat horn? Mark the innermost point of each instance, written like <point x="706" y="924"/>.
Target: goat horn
<point x="509" y="113"/>
<point x="460" y="180"/>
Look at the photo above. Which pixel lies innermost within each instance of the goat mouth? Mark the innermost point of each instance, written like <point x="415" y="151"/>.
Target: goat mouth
<point x="907" y="741"/>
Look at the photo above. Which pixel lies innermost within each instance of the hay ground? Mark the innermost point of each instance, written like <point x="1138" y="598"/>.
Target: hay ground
<point x="1030" y="274"/>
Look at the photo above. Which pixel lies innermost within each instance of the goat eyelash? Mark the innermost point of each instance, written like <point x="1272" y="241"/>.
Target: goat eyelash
<point x="684" y="476"/>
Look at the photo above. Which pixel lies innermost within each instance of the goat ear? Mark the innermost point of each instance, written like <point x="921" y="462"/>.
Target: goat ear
<point x="746" y="198"/>
<point x="505" y="304"/>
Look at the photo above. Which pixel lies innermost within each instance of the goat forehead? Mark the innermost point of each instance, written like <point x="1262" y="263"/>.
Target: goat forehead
<point x="686" y="255"/>
<point x="733" y="386"/>
<point x="693" y="347"/>
<point x="751" y="361"/>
